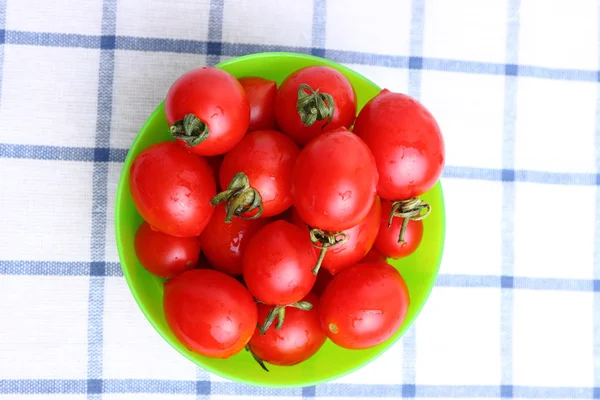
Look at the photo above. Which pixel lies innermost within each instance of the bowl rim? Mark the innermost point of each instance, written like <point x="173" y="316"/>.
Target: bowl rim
<point x="153" y="323"/>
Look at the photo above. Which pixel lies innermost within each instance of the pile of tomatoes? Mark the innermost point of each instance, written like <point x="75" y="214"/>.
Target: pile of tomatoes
<point x="273" y="211"/>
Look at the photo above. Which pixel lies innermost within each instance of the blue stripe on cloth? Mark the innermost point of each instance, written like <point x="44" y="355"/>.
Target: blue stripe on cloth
<point x="319" y="28"/>
<point x="87" y="154"/>
<point x="60" y="268"/>
<point x="99" y="200"/>
<point x="347" y="57"/>
<point x="417" y="27"/>
<point x="596" y="309"/>
<point x="181" y="387"/>
<point x="508" y="203"/>
<point x="215" y="32"/>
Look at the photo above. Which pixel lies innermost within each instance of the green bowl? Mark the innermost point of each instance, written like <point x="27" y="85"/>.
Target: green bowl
<point x="331" y="362"/>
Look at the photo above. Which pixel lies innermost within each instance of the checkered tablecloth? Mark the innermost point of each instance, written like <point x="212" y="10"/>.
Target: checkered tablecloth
<point x="514" y="85"/>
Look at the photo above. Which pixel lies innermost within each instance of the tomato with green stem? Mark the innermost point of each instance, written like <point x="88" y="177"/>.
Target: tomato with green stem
<point x="210" y="312"/>
<point x="364" y="305"/>
<point x="207" y="111"/>
<point x="314" y="100"/>
<point x="261" y="94"/>
<point x="409" y="150"/>
<point x="390" y="230"/>
<point x="257" y="174"/>
<point x="172" y="188"/>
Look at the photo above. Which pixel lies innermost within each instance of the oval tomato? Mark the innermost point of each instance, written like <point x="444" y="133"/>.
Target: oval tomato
<point x="299" y="338"/>
<point x="387" y="238"/>
<point x="164" y="255"/>
<point x="262" y="162"/>
<point x="340" y="195"/>
<point x="261" y="95"/>
<point x="171" y="189"/>
<point x="313" y="100"/>
<point x="364" y="305"/>
<point x="406" y="142"/>
<point x="207" y="110"/>
<point x="277" y="264"/>
<point x="225" y="243"/>
<point x="210" y="312"/>
<point x="360" y="239"/>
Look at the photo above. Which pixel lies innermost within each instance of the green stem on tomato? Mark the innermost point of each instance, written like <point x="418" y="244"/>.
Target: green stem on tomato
<point x="324" y="240"/>
<point x="190" y="129"/>
<point x="411" y="209"/>
<point x="313" y="106"/>
<point x="240" y="198"/>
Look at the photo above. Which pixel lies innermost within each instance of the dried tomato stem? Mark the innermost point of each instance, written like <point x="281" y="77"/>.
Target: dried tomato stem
<point x="411" y="209"/>
<point x="324" y="240"/>
<point x="190" y="129"/>
<point x="313" y="106"/>
<point x="240" y="198"/>
<point x="279" y="313"/>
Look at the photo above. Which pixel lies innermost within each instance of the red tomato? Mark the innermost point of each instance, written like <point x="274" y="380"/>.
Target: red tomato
<point x="364" y="305"/>
<point x="224" y="244"/>
<point x="374" y="255"/>
<point x="164" y="255"/>
<point x="360" y="240"/>
<point x="334" y="181"/>
<point x="267" y="159"/>
<point x="387" y="238"/>
<point x="208" y="111"/>
<point x="261" y="95"/>
<point x="406" y="142"/>
<point x="210" y="312"/>
<point x="313" y="100"/>
<point x="277" y="264"/>
<point x="171" y="189"/>
<point x="300" y="337"/>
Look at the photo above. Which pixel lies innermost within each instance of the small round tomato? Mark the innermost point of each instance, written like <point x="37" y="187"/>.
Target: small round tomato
<point x="164" y="255"/>
<point x="334" y="181"/>
<point x="207" y="110"/>
<point x="261" y="94"/>
<point x="360" y="239"/>
<point x="298" y="339"/>
<point x="225" y="243"/>
<point x="278" y="262"/>
<point x="210" y="312"/>
<point x="171" y="189"/>
<point x="364" y="305"/>
<point x="313" y="100"/>
<point x="258" y="175"/>
<point x="387" y="238"/>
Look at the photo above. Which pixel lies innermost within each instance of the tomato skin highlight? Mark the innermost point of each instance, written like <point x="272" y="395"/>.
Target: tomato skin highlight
<point x="340" y="196"/>
<point x="406" y="142"/>
<point x="210" y="312"/>
<point x="171" y="189"/>
<point x="278" y="262"/>
<point x="387" y="238"/>
<point x="364" y="305"/>
<point x="360" y="240"/>
<point x="268" y="159"/>
<point x="299" y="338"/>
<point x="164" y="255"/>
<point x="216" y="98"/>
<point x="261" y="94"/>
<point x="225" y="243"/>
<point x="326" y="80"/>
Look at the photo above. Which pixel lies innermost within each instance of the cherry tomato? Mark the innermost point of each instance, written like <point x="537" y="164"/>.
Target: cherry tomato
<point x="360" y="239"/>
<point x="210" y="312"/>
<point x="374" y="255"/>
<point x="164" y="255"/>
<point x="261" y="94"/>
<point x="207" y="110"/>
<point x="265" y="160"/>
<point x="299" y="338"/>
<point x="313" y="100"/>
<point x="277" y="264"/>
<point x="334" y="181"/>
<point x="387" y="238"/>
<point x="224" y="244"/>
<point x="406" y="142"/>
<point x="364" y="305"/>
<point x="171" y="189"/>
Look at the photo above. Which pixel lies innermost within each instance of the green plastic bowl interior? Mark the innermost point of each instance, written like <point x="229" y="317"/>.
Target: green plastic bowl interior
<point x="419" y="270"/>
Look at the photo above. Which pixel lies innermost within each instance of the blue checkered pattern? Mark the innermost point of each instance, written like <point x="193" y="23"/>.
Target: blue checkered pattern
<point x="514" y="85"/>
